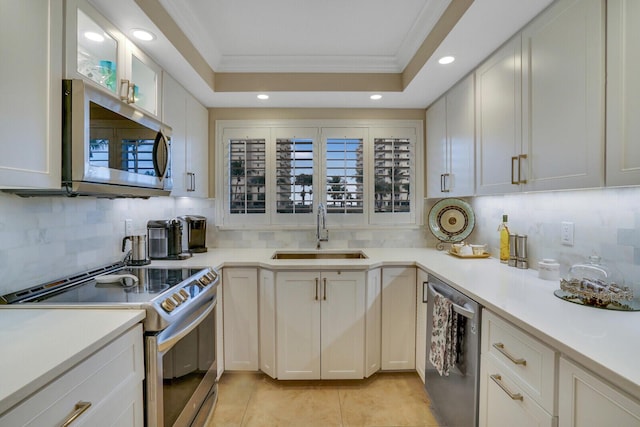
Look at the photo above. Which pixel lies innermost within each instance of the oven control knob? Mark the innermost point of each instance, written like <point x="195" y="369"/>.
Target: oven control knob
<point x="205" y="280"/>
<point x="184" y="294"/>
<point x="177" y="298"/>
<point x="168" y="305"/>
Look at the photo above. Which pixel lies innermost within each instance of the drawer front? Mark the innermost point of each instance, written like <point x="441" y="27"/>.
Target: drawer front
<point x="503" y="403"/>
<point x="114" y="369"/>
<point x="530" y="363"/>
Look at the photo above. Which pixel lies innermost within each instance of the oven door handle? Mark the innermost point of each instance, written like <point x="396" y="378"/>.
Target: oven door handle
<point x="191" y="322"/>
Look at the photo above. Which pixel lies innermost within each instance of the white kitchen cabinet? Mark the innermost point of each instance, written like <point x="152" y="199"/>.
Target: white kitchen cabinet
<point x="189" y="122"/>
<point x="108" y="384"/>
<point x="623" y="93"/>
<point x="563" y="60"/>
<point x="451" y="142"/>
<point x="30" y="83"/>
<point x="98" y="52"/>
<point x="267" y="305"/>
<point x="585" y="400"/>
<point x="220" y="330"/>
<point x="421" y="321"/>
<point x="398" y="318"/>
<point x="498" y="119"/>
<point x="373" y="318"/>
<point x="240" y="317"/>
<point x="540" y="104"/>
<point x="320" y="325"/>
<point x="517" y="377"/>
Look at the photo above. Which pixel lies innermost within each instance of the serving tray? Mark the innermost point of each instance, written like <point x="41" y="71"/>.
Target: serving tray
<point x="484" y="255"/>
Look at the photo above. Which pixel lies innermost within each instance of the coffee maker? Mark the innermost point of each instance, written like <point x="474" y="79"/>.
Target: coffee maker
<point x="165" y="239"/>
<point x="196" y="234"/>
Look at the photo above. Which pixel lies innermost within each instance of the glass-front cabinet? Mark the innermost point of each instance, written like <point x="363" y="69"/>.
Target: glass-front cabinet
<point x="99" y="53"/>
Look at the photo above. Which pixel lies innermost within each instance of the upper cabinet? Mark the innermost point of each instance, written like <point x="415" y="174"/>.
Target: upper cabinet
<point x="623" y="93"/>
<point x="563" y="58"/>
<point x="450" y="142"/>
<point x="30" y="83"/>
<point x="498" y="120"/>
<point x="97" y="52"/>
<point x="189" y="122"/>
<point x="540" y="104"/>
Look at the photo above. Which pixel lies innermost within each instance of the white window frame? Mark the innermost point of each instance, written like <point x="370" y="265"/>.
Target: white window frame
<point x="319" y="130"/>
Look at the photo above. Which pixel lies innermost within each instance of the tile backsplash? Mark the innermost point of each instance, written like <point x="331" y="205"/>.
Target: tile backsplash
<point x="45" y="238"/>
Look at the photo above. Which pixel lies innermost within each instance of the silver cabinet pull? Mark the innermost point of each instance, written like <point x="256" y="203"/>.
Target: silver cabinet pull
<point x="446" y="188"/>
<point x="498" y="380"/>
<point x="324" y="282"/>
<point x="316" y="289"/>
<point x="78" y="410"/>
<point x="500" y="347"/>
<point x="192" y="181"/>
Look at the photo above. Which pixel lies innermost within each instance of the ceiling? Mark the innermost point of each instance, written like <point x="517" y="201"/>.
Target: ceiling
<point x="322" y="53"/>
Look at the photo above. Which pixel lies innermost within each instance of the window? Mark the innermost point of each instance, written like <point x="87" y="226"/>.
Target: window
<point x="278" y="175"/>
<point x="392" y="174"/>
<point x="247" y="176"/>
<point x="294" y="175"/>
<point x="344" y="176"/>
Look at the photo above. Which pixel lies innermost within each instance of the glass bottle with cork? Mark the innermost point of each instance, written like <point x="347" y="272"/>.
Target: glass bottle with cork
<point x="504" y="240"/>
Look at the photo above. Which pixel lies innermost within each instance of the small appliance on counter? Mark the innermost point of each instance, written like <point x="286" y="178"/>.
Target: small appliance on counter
<point x="138" y="255"/>
<point x="196" y="234"/>
<point x="165" y="239"/>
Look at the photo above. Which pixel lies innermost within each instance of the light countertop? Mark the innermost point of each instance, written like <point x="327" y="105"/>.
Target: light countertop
<point x="604" y="341"/>
<point x="40" y="344"/>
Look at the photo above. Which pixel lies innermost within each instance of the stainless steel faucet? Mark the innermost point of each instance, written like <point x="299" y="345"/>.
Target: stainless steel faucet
<point x="322" y="234"/>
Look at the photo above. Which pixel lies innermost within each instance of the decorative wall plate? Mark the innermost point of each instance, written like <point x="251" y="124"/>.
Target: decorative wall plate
<point x="451" y="220"/>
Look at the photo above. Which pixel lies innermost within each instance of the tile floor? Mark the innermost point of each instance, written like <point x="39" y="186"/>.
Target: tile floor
<point x="385" y="399"/>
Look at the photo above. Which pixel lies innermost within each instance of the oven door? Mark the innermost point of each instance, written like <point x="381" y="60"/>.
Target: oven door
<point x="181" y="368"/>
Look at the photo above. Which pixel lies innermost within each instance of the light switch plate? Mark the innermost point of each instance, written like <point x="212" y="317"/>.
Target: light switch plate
<point x="128" y="227"/>
<point x="566" y="233"/>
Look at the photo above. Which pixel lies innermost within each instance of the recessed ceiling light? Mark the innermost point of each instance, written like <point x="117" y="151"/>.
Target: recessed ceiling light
<point x="263" y="96"/>
<point x="143" y="35"/>
<point x="93" y="36"/>
<point x="376" y="96"/>
<point x="446" y="60"/>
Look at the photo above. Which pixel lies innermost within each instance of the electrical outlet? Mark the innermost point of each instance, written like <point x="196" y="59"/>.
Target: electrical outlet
<point x="566" y="233"/>
<point x="128" y="227"/>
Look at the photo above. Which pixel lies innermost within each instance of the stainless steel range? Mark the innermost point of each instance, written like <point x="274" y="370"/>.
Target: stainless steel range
<point x="180" y="330"/>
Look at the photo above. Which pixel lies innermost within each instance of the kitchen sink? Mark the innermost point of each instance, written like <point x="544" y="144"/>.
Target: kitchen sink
<point x="319" y="255"/>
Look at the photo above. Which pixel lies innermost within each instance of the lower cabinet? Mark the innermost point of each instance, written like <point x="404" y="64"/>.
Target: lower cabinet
<point x="320" y="325"/>
<point x="267" y="307"/>
<point x="398" y="318"/>
<point x="421" y="321"/>
<point x="587" y="401"/>
<point x="108" y="384"/>
<point x="517" y="377"/>
<point x="373" y="319"/>
<point x="240" y="317"/>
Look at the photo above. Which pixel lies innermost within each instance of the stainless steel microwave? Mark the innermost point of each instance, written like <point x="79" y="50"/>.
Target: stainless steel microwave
<point x="109" y="148"/>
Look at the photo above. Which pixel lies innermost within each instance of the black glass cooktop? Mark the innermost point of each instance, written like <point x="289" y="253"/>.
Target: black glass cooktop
<point x="151" y="282"/>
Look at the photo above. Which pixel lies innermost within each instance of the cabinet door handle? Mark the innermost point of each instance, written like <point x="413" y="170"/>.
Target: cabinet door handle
<point x="500" y="347"/>
<point x="316" y="289"/>
<point x="425" y="286"/>
<point x="520" y="180"/>
<point x="498" y="380"/>
<point x="78" y="410"/>
<point x="513" y="160"/>
<point x="192" y="181"/>
<point x="324" y="284"/>
<point x="124" y="90"/>
<point x="442" y="183"/>
<point x="446" y="187"/>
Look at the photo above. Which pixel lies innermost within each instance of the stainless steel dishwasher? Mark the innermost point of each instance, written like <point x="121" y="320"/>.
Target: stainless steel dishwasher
<point x="454" y="398"/>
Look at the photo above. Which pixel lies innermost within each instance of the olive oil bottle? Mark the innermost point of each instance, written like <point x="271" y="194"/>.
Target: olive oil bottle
<point x="503" y="228"/>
